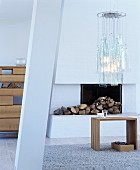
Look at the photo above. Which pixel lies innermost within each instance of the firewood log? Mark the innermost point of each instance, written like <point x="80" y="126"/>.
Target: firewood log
<point x="87" y="110"/>
<point x="105" y="106"/>
<point x="99" y="107"/>
<point x="82" y="106"/>
<point x="102" y="102"/>
<point x="67" y="112"/>
<point x="102" y="98"/>
<point x="94" y="111"/>
<point x="107" y="102"/>
<point x="58" y="112"/>
<point x="77" y="109"/>
<point x="116" y="111"/>
<point x="82" y="112"/>
<point x="108" y="98"/>
<point x="110" y="110"/>
<point x="92" y="106"/>
<point x="115" y="108"/>
<point x="117" y="103"/>
<point x="73" y="110"/>
<point x="111" y="103"/>
<point x="63" y="108"/>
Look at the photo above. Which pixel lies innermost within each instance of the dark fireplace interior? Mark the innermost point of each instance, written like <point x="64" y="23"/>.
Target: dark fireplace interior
<point x="91" y="92"/>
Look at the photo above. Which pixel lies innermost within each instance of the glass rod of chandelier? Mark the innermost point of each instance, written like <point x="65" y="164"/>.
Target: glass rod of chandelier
<point x="111" y="54"/>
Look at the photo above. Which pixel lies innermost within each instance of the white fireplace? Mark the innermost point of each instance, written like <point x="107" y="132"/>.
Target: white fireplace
<point x="79" y="125"/>
<point x="69" y="95"/>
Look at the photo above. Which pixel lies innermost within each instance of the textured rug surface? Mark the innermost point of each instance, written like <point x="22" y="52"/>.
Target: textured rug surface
<point x="82" y="157"/>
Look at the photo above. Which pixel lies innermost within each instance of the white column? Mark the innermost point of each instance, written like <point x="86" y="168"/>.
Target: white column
<point x="38" y="83"/>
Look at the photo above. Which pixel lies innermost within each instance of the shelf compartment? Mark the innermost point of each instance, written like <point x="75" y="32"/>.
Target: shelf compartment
<point x="10" y="111"/>
<point x="11" y="92"/>
<point x="20" y="71"/>
<point x="12" y="78"/>
<point x="11" y="67"/>
<point x="6" y="100"/>
<point x="9" y="125"/>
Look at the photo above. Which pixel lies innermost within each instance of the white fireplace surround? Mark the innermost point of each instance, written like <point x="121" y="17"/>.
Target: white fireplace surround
<point x="69" y="95"/>
<point x="79" y="125"/>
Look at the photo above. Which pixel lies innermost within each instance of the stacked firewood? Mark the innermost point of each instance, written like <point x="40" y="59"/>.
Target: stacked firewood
<point x="83" y="109"/>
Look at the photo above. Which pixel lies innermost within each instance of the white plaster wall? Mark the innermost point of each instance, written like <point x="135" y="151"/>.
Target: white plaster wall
<point x="138" y="69"/>
<point x="13" y="41"/>
<point x="14" y="37"/>
<point x="65" y="95"/>
<point x="78" y="42"/>
<point x="129" y="98"/>
<point x="76" y="60"/>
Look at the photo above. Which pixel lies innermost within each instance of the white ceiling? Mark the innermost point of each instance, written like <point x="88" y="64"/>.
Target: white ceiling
<point x="15" y="10"/>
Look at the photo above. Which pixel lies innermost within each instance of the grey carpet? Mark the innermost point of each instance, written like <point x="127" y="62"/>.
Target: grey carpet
<point x="82" y="157"/>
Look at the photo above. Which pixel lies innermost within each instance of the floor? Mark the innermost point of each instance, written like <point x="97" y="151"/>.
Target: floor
<point x="8" y="147"/>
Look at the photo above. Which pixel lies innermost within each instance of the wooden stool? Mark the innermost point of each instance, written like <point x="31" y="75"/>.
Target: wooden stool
<point x="131" y="130"/>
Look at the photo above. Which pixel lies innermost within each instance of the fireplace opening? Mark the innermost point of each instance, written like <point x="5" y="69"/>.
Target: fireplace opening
<point x="91" y="92"/>
<point x="94" y="99"/>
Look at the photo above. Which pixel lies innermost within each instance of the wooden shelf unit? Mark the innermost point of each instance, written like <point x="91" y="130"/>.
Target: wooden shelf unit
<point x="10" y="113"/>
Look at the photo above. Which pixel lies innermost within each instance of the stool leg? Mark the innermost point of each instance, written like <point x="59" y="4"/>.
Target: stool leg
<point x="95" y="134"/>
<point x="131" y="132"/>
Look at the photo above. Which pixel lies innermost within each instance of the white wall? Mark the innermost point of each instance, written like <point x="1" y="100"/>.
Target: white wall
<point x="13" y="41"/>
<point x="138" y="70"/>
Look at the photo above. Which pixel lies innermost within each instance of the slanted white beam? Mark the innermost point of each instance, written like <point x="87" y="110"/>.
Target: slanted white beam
<point x="43" y="44"/>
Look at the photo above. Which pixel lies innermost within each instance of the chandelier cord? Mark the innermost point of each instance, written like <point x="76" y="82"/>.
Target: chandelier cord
<point x="110" y="5"/>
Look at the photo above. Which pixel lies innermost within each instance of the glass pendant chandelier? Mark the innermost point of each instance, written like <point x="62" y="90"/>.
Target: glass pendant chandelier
<point x="111" y="54"/>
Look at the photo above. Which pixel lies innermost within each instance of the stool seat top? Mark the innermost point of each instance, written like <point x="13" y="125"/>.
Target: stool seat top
<point x="113" y="118"/>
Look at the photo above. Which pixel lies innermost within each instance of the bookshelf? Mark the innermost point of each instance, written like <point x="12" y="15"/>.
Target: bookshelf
<point x="9" y="111"/>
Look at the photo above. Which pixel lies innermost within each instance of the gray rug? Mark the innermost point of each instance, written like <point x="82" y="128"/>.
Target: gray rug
<point x="82" y="157"/>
